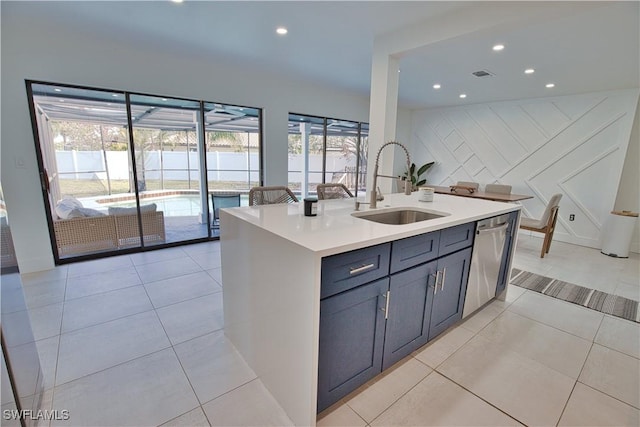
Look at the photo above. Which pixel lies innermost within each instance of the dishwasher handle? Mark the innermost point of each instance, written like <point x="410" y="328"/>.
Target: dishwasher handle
<point x="495" y="229"/>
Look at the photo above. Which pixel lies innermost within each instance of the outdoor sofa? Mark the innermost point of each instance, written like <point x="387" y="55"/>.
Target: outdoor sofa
<point x="97" y="231"/>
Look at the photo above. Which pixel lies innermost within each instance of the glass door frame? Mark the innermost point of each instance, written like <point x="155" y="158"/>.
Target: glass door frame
<point x="44" y="180"/>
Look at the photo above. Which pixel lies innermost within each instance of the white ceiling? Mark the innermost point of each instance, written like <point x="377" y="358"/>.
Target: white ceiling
<point x="596" y="48"/>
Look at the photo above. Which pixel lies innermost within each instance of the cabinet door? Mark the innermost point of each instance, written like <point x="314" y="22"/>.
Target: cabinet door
<point x="409" y="312"/>
<point x="448" y="296"/>
<point x="351" y="340"/>
<point x="503" y="277"/>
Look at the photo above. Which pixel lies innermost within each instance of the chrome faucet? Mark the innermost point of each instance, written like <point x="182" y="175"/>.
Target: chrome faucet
<point x="373" y="200"/>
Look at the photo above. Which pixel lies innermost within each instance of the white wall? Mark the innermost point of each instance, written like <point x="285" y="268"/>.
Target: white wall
<point x="34" y="49"/>
<point x="574" y="145"/>
<point x="628" y="197"/>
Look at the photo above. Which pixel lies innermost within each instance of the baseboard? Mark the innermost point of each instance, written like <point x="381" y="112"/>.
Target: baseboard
<point x="580" y="241"/>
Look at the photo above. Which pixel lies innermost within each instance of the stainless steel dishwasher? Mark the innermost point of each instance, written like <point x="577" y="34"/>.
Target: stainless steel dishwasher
<point x="485" y="262"/>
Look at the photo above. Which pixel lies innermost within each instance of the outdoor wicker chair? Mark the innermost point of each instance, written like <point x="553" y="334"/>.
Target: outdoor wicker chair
<point x="333" y="191"/>
<point x="271" y="195"/>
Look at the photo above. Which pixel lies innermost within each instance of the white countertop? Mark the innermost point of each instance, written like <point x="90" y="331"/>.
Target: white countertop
<point x="335" y="230"/>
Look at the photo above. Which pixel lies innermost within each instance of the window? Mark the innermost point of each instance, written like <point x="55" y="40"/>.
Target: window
<point x="323" y="150"/>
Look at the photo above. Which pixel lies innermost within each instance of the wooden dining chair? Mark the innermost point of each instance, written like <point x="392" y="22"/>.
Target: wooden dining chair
<point x="333" y="191"/>
<point x="497" y="188"/>
<point x="271" y="195"/>
<point x="546" y="224"/>
<point x="469" y="184"/>
<point x="465" y="186"/>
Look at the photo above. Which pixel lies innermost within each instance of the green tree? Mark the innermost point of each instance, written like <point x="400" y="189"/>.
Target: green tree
<point x="79" y="136"/>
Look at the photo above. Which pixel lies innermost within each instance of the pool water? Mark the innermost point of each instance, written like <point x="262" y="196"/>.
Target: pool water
<point x="185" y="205"/>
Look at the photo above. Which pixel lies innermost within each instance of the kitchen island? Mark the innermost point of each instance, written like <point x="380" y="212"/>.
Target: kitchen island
<point x="273" y="262"/>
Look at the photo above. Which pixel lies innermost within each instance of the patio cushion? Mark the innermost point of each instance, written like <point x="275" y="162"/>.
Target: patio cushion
<point x="66" y="205"/>
<point x="84" y="212"/>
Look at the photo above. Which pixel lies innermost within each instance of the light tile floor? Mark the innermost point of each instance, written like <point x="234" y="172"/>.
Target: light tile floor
<point x="138" y="340"/>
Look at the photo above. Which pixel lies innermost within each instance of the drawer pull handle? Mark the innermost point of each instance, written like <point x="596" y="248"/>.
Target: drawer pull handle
<point x="361" y="269"/>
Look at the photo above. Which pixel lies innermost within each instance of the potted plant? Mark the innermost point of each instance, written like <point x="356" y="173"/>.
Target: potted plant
<point x="415" y="175"/>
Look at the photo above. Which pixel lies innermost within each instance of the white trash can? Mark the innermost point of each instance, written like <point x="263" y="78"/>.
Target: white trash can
<point x="618" y="232"/>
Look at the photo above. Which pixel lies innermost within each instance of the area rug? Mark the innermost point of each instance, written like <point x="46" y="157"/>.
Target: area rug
<point x="590" y="298"/>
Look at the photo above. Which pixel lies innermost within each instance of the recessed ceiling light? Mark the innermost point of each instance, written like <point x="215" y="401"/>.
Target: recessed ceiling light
<point x="115" y="95"/>
<point x="164" y="99"/>
<point x="529" y="71"/>
<point x="436" y="86"/>
<point x="177" y="1"/>
<point x="282" y="31"/>
<point x="463" y="95"/>
<point x="498" y="47"/>
<point x="58" y="90"/>
<point x="549" y="85"/>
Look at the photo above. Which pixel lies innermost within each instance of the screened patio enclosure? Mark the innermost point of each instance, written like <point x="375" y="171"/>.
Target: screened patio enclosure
<point x="139" y="169"/>
<point x="324" y="150"/>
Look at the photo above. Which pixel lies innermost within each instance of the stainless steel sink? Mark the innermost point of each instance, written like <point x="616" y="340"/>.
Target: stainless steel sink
<point x="399" y="216"/>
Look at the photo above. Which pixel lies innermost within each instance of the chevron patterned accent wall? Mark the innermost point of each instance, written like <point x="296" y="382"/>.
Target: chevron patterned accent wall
<point x="574" y="145"/>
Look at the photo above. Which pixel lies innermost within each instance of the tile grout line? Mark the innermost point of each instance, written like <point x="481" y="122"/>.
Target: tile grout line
<point x="112" y="366"/>
<point x="564" y="408"/>
<point x="513" y="417"/>
<point x="55" y="371"/>
<point x="184" y="372"/>
<point x="511" y="351"/>
<point x="594" y="343"/>
<point x="578" y="377"/>
<point x="552" y="326"/>
<point x="396" y="400"/>
<point x="608" y="395"/>
<point x="106" y="321"/>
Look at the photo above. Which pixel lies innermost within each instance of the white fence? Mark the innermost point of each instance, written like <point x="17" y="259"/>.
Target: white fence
<point x="178" y="165"/>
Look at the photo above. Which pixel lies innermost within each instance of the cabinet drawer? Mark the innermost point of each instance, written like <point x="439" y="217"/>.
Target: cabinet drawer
<point x="414" y="250"/>
<point x="456" y="238"/>
<point x="346" y="271"/>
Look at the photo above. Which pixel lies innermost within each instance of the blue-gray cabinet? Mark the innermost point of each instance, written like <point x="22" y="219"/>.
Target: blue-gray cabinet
<point x="409" y="313"/>
<point x="450" y="290"/>
<point x="379" y="304"/>
<point x="352" y="328"/>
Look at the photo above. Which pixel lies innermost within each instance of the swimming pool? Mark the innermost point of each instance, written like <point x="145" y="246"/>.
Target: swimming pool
<point x="174" y="205"/>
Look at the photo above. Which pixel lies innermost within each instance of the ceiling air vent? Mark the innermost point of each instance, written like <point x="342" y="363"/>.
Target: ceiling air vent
<point x="483" y="73"/>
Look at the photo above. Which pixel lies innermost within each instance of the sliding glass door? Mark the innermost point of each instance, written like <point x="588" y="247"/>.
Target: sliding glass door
<point x="232" y="138"/>
<point x="167" y="156"/>
<point x="123" y="171"/>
